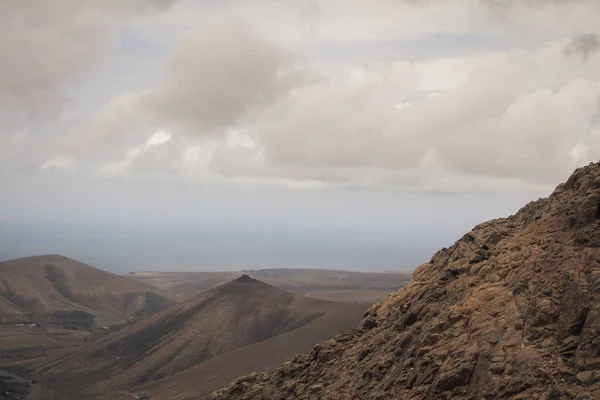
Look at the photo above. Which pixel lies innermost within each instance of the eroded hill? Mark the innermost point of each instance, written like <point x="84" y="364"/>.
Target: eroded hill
<point x="326" y="284"/>
<point x="510" y="311"/>
<point x="214" y="323"/>
<point x="56" y="290"/>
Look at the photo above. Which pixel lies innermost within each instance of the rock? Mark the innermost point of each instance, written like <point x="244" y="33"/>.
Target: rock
<point x="510" y="311"/>
<point x="518" y="324"/>
<point x="498" y="368"/>
<point x="458" y="376"/>
<point x="368" y="323"/>
<point x="544" y="312"/>
<point x="316" y="388"/>
<point x="498" y="363"/>
<point x="555" y="394"/>
<point x="583" y="396"/>
<point x="362" y="354"/>
<point x="585" y="376"/>
<point x="244" y="278"/>
<point x="588" y="377"/>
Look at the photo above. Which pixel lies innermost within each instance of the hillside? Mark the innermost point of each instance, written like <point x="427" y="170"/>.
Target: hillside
<point x="229" y="317"/>
<point x="510" y="311"/>
<point x="197" y="382"/>
<point x="56" y="290"/>
<point x="326" y="284"/>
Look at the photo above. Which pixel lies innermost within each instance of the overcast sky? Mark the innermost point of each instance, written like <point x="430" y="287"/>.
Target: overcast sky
<point x="406" y="115"/>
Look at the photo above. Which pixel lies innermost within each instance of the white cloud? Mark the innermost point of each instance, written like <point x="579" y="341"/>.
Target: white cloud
<point x="157" y="139"/>
<point x="456" y="95"/>
<point x="218" y="76"/>
<point x="46" y="45"/>
<point x="511" y="119"/>
<point x="60" y="164"/>
<point x="46" y="48"/>
<point x="209" y="82"/>
<point x="155" y="156"/>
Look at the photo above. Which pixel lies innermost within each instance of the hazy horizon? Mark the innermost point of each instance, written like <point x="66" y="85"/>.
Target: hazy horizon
<point x="363" y="134"/>
<point x="198" y="250"/>
<point x="234" y="229"/>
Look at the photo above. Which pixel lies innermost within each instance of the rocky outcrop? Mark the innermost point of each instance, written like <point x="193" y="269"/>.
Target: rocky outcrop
<point x="510" y="311"/>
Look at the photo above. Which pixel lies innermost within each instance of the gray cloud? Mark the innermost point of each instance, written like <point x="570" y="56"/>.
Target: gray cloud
<point x="45" y="45"/>
<point x="504" y="121"/>
<point x="583" y="45"/>
<point x="46" y="48"/>
<point x="248" y="97"/>
<point x="209" y="83"/>
<point x="212" y="80"/>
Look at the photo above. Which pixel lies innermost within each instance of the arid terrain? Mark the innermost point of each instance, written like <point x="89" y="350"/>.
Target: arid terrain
<point x="56" y="290"/>
<point x="197" y="382"/>
<point x="510" y="311"/>
<point x="334" y="285"/>
<point x="74" y="327"/>
<point x="25" y="341"/>
<point x="191" y="334"/>
<point x="300" y="200"/>
<point x="51" y="303"/>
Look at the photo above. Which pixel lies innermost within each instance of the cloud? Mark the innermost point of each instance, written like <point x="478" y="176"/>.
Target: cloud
<point x="45" y="45"/>
<point x="583" y="45"/>
<point x="418" y="96"/>
<point x="46" y="48"/>
<point x="159" y="138"/>
<point x="212" y="80"/>
<point x="159" y="155"/>
<point x="510" y="119"/>
<point x="61" y="164"/>
<point x="209" y="83"/>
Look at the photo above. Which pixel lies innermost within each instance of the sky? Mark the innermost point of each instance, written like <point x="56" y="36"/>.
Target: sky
<point x="366" y="134"/>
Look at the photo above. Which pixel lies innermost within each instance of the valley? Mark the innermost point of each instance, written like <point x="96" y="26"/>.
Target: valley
<point x="300" y="200"/>
<point x="509" y="310"/>
<point x="85" y="333"/>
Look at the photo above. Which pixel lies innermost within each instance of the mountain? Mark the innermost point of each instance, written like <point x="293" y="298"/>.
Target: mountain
<point x="199" y="381"/>
<point x="228" y="317"/>
<point x="510" y="311"/>
<point x="56" y="290"/>
<point x="326" y="284"/>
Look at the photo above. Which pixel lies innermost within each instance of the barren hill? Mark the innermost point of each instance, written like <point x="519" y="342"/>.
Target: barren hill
<point x="229" y="317"/>
<point x="197" y="382"/>
<point x="327" y="284"/>
<point x="510" y="311"/>
<point x="57" y="290"/>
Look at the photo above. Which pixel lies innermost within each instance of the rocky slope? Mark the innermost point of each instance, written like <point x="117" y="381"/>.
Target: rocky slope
<point x="510" y="311"/>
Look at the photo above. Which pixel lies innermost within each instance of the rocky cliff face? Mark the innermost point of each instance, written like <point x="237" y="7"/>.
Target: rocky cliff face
<point x="510" y="311"/>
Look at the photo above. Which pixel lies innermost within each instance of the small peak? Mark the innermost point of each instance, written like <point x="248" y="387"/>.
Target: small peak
<point x="244" y="282"/>
<point x="245" y="278"/>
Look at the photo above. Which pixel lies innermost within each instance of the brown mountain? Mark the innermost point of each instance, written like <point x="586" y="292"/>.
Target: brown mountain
<point x="510" y="311"/>
<point x="199" y="381"/>
<point x="52" y="289"/>
<point x="216" y="322"/>
<point x="326" y="284"/>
